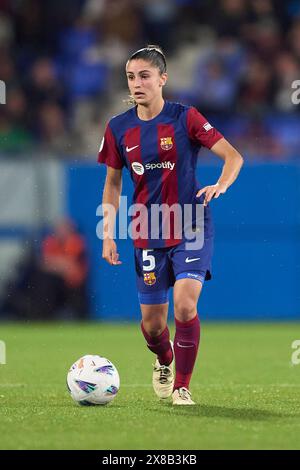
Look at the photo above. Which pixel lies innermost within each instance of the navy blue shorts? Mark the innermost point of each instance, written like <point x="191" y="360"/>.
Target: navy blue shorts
<point x="158" y="269"/>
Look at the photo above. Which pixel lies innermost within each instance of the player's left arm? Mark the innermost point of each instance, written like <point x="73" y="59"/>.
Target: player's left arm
<point x="233" y="162"/>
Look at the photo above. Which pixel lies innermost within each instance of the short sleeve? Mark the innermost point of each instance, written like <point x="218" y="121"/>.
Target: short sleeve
<point x="109" y="152"/>
<point x="200" y="130"/>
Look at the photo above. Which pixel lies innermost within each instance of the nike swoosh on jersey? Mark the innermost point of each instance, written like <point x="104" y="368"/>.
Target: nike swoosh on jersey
<point x="183" y="346"/>
<point x="189" y="260"/>
<point x="128" y="149"/>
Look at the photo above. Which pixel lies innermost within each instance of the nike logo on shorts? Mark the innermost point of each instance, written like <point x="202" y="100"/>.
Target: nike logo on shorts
<point x="183" y="346"/>
<point x="128" y="149"/>
<point x="189" y="260"/>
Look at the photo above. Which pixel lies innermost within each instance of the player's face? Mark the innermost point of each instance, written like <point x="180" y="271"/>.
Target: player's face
<point x="144" y="81"/>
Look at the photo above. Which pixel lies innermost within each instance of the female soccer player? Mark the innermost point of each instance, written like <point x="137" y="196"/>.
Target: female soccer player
<point x="158" y="142"/>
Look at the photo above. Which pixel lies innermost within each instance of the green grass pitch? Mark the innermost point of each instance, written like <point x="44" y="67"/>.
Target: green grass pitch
<point x="246" y="388"/>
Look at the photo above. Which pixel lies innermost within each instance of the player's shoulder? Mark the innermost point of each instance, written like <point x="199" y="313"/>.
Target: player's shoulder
<point x="122" y="120"/>
<point x="176" y="110"/>
<point x="179" y="108"/>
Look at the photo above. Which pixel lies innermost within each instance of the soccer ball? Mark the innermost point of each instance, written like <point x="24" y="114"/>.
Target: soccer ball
<point x="93" y="380"/>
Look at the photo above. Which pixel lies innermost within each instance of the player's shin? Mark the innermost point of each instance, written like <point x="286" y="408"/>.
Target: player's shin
<point x="186" y="343"/>
<point x="160" y="345"/>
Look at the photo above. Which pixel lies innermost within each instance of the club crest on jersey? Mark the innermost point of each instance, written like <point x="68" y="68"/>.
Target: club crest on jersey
<point x="149" y="278"/>
<point x="166" y="143"/>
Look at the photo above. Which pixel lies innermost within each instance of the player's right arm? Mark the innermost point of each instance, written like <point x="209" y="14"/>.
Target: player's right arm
<point x="110" y="155"/>
<point x="111" y="197"/>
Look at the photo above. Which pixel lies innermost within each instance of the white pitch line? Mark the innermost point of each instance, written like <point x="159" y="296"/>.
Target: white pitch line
<point x="12" y="385"/>
<point x="223" y="386"/>
<point x="280" y="385"/>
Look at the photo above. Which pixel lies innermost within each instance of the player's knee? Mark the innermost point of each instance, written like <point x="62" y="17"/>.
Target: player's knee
<point x="154" y="327"/>
<point x="185" y="310"/>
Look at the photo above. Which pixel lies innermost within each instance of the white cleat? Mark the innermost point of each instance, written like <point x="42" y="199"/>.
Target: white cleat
<point x="182" y="396"/>
<point x="163" y="378"/>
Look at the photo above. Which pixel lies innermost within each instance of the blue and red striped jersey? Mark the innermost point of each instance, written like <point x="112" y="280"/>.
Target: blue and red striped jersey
<point x="161" y="156"/>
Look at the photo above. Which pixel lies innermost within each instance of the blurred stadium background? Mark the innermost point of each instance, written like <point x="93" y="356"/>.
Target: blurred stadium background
<point x="62" y="63"/>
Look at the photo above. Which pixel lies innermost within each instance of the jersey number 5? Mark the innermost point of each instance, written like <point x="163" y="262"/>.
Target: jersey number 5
<point x="150" y="259"/>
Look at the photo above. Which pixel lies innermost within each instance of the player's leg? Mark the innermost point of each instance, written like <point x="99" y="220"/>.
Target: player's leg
<point x="191" y="267"/>
<point x="152" y="270"/>
<point x="187" y="336"/>
<point x="156" y="332"/>
<point x="153" y="285"/>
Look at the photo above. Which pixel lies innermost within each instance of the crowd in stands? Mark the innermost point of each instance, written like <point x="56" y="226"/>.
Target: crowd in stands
<point x="50" y="283"/>
<point x="63" y="66"/>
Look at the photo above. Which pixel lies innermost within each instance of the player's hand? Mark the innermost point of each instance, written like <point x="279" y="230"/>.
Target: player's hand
<point x="110" y="253"/>
<point x="213" y="191"/>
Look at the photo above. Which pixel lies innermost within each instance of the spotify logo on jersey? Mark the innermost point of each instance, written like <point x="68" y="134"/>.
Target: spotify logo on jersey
<point x="139" y="169"/>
